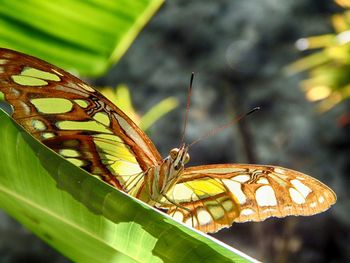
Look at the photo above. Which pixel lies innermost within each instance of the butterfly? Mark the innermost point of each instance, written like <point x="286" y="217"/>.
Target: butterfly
<point x="80" y="124"/>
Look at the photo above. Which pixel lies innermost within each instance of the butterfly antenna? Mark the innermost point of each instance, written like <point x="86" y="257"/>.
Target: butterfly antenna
<point x="223" y="127"/>
<point x="187" y="108"/>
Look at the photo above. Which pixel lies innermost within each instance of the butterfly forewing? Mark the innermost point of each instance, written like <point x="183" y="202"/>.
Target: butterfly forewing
<point x="256" y="192"/>
<point x="75" y="120"/>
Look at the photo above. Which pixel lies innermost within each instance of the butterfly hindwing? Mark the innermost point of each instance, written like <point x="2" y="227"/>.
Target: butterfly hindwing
<point x="75" y="120"/>
<point x="245" y="193"/>
<point x="204" y="203"/>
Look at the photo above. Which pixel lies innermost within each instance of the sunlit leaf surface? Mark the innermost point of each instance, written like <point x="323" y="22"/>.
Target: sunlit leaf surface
<point x="80" y="36"/>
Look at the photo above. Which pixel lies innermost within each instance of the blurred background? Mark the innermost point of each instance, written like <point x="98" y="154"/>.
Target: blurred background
<point x="244" y="54"/>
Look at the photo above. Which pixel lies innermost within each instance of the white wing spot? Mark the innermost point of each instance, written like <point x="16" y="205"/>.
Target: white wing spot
<point x="178" y="216"/>
<point x="3" y="61"/>
<point x="247" y="212"/>
<point x="15" y="92"/>
<point x="236" y="190"/>
<point x="204" y="217"/>
<point x="69" y="153"/>
<point x="313" y="205"/>
<point x="77" y="162"/>
<point x="296" y="196"/>
<point x="262" y="180"/>
<point x="321" y="199"/>
<point x="279" y="170"/>
<point x="302" y="188"/>
<point x="241" y="178"/>
<point x="47" y="135"/>
<point x="38" y="125"/>
<point x="25" y="107"/>
<point x="265" y="196"/>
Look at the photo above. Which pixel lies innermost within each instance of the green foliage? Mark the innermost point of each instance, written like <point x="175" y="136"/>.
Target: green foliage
<point x="121" y="97"/>
<point x="86" y="219"/>
<point x="85" y="37"/>
<point x="329" y="66"/>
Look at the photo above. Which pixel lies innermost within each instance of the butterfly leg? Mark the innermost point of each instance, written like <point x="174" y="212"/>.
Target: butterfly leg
<point x="178" y="206"/>
<point x="175" y="204"/>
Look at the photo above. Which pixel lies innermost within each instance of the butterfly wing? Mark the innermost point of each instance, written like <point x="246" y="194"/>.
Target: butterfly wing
<point x="75" y="120"/>
<point x="211" y="197"/>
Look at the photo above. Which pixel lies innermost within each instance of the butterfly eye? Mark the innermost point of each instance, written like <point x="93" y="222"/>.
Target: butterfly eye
<point x="187" y="158"/>
<point x="178" y="166"/>
<point x="173" y="153"/>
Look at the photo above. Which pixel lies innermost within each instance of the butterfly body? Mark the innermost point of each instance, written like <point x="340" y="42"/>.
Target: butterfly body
<point x="83" y="126"/>
<point x="160" y="179"/>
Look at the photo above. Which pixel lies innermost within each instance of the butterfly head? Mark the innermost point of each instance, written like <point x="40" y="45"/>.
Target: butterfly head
<point x="178" y="157"/>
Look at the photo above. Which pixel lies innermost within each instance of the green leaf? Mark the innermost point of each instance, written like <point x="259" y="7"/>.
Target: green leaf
<point x="81" y="36"/>
<point x="121" y="97"/>
<point x="157" y="111"/>
<point x="328" y="67"/>
<point x="86" y="219"/>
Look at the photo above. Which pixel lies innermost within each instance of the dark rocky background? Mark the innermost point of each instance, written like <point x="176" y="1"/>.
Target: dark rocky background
<point x="238" y="50"/>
